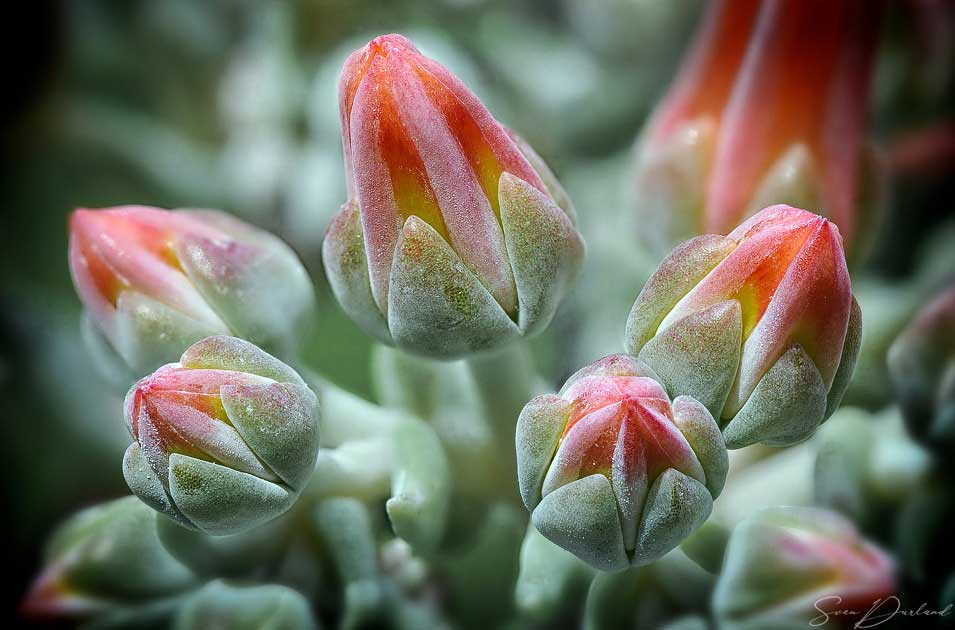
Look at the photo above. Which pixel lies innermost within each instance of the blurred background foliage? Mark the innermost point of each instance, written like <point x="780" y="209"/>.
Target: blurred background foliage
<point x="232" y="104"/>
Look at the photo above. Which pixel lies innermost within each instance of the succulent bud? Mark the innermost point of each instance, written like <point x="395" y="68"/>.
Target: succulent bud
<point x="156" y="281"/>
<point x="760" y="114"/>
<point x="760" y="326"/>
<point x="922" y="367"/>
<point x="225" y="439"/>
<point x="219" y="604"/>
<point x="789" y="567"/>
<point x="612" y="471"/>
<point x="456" y="237"/>
<point x="102" y="558"/>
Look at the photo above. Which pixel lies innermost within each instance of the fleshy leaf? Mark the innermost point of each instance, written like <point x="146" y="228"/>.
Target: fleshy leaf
<point x="698" y="356"/>
<point x="675" y="506"/>
<point x="544" y="248"/>
<point x="582" y="518"/>
<point x="436" y="305"/>
<point x="785" y="407"/>
<point x="538" y="430"/>
<point x="703" y="434"/>
<point x="220" y="500"/>
<point x="231" y="353"/>
<point x="679" y="272"/>
<point x="346" y="265"/>
<point x="278" y="423"/>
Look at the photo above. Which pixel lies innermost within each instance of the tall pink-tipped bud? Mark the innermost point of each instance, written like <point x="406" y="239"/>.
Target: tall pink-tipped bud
<point x="456" y="236"/>
<point x="761" y="325"/>
<point x="155" y="281"/>
<point x="612" y="470"/>
<point x="769" y="107"/>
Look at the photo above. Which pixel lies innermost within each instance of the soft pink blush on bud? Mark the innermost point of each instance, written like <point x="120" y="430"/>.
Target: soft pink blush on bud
<point x="621" y="427"/>
<point x="133" y="248"/>
<point x="417" y="142"/>
<point x="860" y="572"/>
<point x="180" y="410"/>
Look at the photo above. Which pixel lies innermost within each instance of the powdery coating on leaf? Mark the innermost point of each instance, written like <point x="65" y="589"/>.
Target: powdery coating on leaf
<point x="420" y="147"/>
<point x="620" y="427"/>
<point x="807" y="554"/>
<point x="180" y="410"/>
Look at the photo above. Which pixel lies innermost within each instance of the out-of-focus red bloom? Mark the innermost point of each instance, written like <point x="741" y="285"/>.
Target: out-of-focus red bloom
<point x="769" y="107"/>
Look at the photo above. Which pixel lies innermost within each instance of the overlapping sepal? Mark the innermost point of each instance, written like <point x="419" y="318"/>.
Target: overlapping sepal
<point x="456" y="237"/>
<point x="225" y="439"/>
<point x="612" y="471"/>
<point x="760" y="326"/>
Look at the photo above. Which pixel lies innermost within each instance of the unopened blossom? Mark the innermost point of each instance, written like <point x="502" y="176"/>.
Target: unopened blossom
<point x="770" y="106"/>
<point x="760" y="326"/>
<point x="789" y="568"/>
<point x="225" y="439"/>
<point x="612" y="470"/>
<point x="922" y="367"/>
<point x="155" y="281"/>
<point x="456" y="237"/>
<point x="104" y="558"/>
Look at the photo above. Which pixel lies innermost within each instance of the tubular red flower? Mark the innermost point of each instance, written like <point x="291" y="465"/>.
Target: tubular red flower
<point x="770" y="106"/>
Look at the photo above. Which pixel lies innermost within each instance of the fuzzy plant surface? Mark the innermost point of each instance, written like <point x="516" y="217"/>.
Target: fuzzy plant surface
<point x="760" y="326"/>
<point x="393" y="413"/>
<point x="613" y="471"/>
<point x="225" y="439"/>
<point x="456" y="236"/>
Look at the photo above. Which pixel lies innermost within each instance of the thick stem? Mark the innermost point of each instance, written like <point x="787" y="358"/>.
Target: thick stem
<point x="504" y="381"/>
